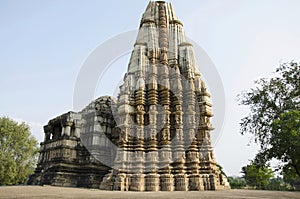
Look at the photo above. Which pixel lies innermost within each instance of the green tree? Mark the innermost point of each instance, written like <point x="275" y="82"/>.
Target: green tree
<point x="290" y="177"/>
<point x="277" y="184"/>
<point x="237" y="182"/>
<point x="274" y="116"/>
<point x="286" y="139"/>
<point x="18" y="152"/>
<point x="257" y="176"/>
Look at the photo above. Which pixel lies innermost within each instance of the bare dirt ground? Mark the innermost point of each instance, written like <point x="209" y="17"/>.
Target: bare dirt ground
<point x="59" y="192"/>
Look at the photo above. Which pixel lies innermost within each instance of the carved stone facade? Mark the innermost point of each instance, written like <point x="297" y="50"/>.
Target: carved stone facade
<point x="163" y="114"/>
<point x="73" y="145"/>
<point x="154" y="137"/>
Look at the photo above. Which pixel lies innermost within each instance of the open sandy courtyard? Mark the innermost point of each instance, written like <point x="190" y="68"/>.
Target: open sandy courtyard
<point x="59" y="192"/>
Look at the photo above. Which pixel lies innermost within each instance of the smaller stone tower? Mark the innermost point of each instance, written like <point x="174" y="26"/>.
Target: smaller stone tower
<point x="74" y="144"/>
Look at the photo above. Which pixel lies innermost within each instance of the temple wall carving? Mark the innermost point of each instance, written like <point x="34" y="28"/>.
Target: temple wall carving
<point x="154" y="137"/>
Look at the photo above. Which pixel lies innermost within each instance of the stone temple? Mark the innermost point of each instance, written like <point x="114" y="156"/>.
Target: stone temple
<point x="154" y="137"/>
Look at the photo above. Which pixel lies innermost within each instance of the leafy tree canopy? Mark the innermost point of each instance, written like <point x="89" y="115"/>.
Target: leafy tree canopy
<point x="18" y="152"/>
<point x="290" y="177"/>
<point x="274" y="116"/>
<point x="257" y="176"/>
<point x="237" y="182"/>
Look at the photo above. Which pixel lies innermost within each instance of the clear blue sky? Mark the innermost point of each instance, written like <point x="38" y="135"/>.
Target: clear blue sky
<point x="43" y="45"/>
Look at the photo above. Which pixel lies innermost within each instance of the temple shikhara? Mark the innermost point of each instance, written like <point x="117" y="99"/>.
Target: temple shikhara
<point x="154" y="137"/>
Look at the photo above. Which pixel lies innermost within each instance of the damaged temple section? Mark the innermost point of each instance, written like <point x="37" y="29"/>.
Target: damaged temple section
<point x="72" y="147"/>
<point x="154" y="137"/>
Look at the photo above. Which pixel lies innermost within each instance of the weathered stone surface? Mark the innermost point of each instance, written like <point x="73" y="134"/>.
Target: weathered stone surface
<point x="154" y="137"/>
<point x="163" y="114"/>
<point x="72" y="148"/>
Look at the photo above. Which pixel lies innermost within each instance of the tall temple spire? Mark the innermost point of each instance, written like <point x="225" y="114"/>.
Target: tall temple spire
<point x="166" y="146"/>
<point x="154" y="137"/>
